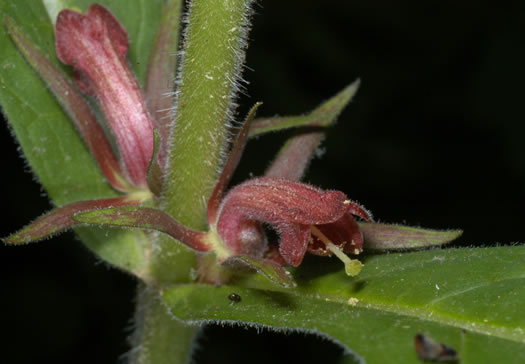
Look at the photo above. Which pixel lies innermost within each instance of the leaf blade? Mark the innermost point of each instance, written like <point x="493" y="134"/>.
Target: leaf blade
<point x="446" y="293"/>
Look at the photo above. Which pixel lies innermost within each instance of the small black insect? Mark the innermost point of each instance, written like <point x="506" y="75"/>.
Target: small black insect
<point x="234" y="298"/>
<point x="430" y="350"/>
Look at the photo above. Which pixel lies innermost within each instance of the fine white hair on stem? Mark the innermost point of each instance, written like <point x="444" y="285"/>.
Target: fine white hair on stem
<point x="218" y="85"/>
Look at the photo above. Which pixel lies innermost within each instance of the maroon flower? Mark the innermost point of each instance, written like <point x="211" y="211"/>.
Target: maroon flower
<point x="95" y="44"/>
<point x="306" y="218"/>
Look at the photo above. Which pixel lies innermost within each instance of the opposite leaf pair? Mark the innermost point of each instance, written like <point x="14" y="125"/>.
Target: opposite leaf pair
<point x="307" y="219"/>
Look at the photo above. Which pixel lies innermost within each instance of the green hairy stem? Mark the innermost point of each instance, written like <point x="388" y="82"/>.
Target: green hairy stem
<point x="210" y="68"/>
<point x="158" y="338"/>
<point x="208" y="80"/>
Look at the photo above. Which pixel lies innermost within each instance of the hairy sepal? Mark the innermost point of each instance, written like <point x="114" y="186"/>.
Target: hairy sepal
<point x="322" y="116"/>
<point x="145" y="218"/>
<point x="61" y="219"/>
<point x="392" y="237"/>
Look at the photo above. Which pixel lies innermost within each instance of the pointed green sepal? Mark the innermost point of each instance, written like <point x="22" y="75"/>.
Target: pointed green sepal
<point x="61" y="219"/>
<point x="271" y="270"/>
<point x="388" y="237"/>
<point x="294" y="157"/>
<point x="145" y="218"/>
<point x="324" y="115"/>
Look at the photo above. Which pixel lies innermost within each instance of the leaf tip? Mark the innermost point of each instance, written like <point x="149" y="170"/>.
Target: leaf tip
<point x="454" y="234"/>
<point x="12" y="240"/>
<point x="11" y="27"/>
<point x="21" y="237"/>
<point x="352" y="88"/>
<point x="7" y="21"/>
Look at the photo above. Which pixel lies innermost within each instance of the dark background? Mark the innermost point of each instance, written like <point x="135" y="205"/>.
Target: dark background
<point x="433" y="138"/>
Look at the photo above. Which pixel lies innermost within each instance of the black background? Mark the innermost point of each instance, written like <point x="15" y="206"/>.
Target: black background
<point x="433" y="138"/>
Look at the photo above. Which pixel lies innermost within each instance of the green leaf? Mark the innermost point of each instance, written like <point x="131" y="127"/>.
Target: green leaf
<point x="392" y="237"/>
<point x="47" y="137"/>
<point x="469" y="299"/>
<point x="322" y="116"/>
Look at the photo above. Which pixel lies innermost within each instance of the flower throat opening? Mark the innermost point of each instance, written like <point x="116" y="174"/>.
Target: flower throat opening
<point x="352" y="266"/>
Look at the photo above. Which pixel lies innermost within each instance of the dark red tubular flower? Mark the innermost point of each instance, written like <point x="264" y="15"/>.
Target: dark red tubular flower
<point x="306" y="218"/>
<point x="95" y="44"/>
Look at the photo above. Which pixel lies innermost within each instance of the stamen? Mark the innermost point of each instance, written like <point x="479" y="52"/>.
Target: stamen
<point x="352" y="266"/>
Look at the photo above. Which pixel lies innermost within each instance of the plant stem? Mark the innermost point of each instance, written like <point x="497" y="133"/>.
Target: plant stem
<point x="213" y="55"/>
<point x="158" y="337"/>
<point x="215" y="38"/>
<point x="210" y="68"/>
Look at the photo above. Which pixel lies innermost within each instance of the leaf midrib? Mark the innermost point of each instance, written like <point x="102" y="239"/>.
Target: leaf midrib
<point x="418" y="313"/>
<point x="425" y="314"/>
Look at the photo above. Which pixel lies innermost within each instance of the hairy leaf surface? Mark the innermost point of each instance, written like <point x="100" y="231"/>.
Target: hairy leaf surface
<point x="469" y="299"/>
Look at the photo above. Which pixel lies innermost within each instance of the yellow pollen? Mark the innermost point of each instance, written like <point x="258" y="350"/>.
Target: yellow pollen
<point x="352" y="266"/>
